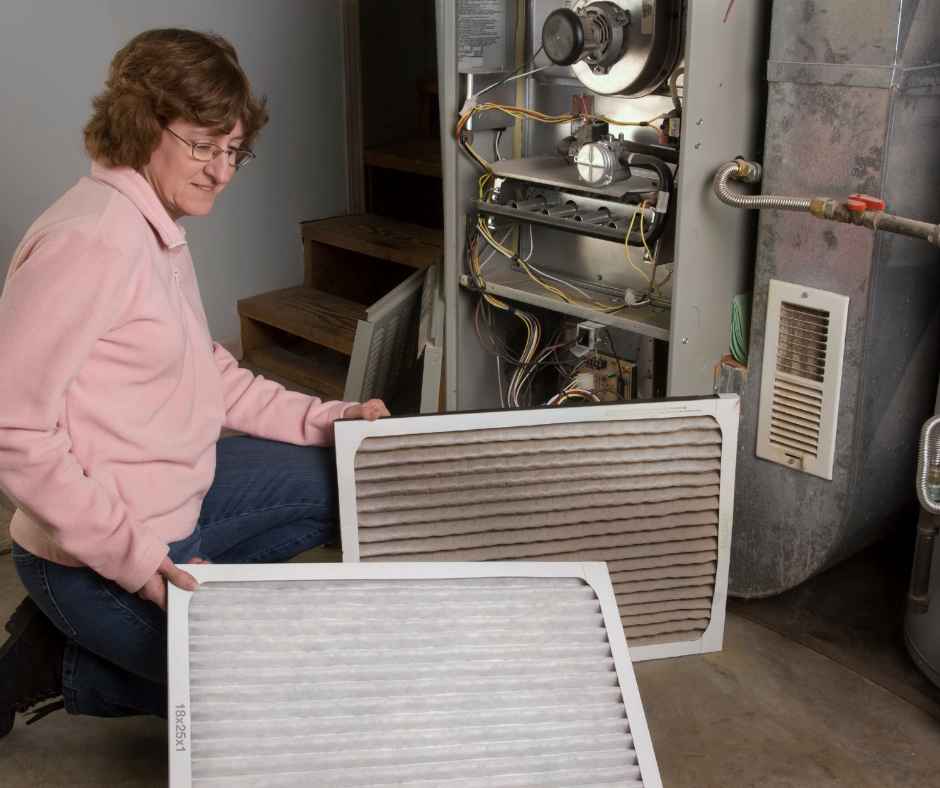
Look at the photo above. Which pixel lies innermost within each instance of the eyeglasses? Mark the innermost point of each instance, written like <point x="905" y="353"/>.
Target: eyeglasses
<point x="208" y="151"/>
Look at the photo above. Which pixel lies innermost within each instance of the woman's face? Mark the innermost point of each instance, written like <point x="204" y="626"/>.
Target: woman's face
<point x="186" y="186"/>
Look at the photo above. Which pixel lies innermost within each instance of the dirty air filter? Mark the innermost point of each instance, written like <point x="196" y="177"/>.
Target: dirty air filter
<point x="413" y="675"/>
<point x="646" y="487"/>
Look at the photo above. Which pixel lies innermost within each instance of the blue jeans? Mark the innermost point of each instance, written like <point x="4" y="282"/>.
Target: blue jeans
<point x="268" y="502"/>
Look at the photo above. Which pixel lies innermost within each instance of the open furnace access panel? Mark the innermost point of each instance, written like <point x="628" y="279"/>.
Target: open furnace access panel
<point x="585" y="259"/>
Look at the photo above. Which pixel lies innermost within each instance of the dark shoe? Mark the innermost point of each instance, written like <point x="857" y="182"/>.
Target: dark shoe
<point x="30" y="665"/>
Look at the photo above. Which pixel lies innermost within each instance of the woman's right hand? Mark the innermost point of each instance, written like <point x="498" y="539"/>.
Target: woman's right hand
<point x="370" y="411"/>
<point x="154" y="590"/>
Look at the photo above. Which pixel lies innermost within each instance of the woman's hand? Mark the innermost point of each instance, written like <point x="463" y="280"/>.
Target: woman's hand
<point x="154" y="590"/>
<point x="370" y="411"/>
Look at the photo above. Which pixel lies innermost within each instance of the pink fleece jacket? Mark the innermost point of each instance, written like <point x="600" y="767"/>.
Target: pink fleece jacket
<point x="112" y="393"/>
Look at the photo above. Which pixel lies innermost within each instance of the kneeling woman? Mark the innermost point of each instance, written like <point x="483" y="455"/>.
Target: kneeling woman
<point x="114" y="395"/>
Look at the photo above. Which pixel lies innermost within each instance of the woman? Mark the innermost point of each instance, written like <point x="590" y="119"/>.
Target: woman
<point x="114" y="395"/>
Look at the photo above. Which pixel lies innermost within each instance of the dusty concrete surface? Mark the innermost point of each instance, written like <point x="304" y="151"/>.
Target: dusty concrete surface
<point x="767" y="711"/>
<point x="854" y="614"/>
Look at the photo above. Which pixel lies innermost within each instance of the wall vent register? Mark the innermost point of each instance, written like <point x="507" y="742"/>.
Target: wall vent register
<point x="645" y="487"/>
<point x="410" y="675"/>
<point x="801" y="377"/>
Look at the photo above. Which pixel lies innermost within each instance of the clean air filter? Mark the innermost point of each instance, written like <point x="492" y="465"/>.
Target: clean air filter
<point x="645" y="487"/>
<point x="498" y="675"/>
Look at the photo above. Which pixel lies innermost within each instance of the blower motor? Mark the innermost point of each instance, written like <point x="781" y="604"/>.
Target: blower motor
<point x="625" y="47"/>
<point x="596" y="34"/>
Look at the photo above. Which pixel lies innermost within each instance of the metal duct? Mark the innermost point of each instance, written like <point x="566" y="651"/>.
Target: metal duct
<point x="833" y="62"/>
<point x="473" y="676"/>
<point x="645" y="488"/>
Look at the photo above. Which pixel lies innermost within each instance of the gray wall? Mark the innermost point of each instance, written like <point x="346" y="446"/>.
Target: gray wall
<point x="54" y="58"/>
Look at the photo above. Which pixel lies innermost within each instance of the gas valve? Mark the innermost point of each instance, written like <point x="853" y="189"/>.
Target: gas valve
<point x="596" y="154"/>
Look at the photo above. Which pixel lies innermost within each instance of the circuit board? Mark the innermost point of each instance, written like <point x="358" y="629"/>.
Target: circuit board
<point x="611" y="379"/>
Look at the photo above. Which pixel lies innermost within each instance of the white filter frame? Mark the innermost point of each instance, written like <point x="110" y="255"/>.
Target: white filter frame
<point x="402" y="298"/>
<point x="724" y="408"/>
<point x="593" y="574"/>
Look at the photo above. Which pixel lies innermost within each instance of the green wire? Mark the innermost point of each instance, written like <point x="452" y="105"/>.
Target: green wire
<point x="740" y="327"/>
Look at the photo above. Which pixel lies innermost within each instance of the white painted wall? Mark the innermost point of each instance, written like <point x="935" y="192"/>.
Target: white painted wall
<point x="54" y="57"/>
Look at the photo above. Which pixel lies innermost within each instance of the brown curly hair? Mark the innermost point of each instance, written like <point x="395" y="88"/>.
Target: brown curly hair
<point x="165" y="75"/>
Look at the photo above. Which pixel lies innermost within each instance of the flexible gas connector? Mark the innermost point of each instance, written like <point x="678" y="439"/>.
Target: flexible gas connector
<point x="859" y="209"/>
<point x="750" y="172"/>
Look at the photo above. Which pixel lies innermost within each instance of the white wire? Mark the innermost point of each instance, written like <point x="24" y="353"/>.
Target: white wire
<point x="493" y="249"/>
<point x="499" y="382"/>
<point x="536" y="364"/>
<point x="565" y="282"/>
<point x="630" y="299"/>
<point x="528" y="356"/>
<point x="529" y="73"/>
<point x="511" y="79"/>
<point x="674" y="87"/>
<point x="537" y="270"/>
<point x="496" y="141"/>
<point x="531" y="244"/>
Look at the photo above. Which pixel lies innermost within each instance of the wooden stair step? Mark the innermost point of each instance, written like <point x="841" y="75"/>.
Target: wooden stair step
<point x="313" y="315"/>
<point x="379" y="237"/>
<point x="313" y="370"/>
<point x="419" y="156"/>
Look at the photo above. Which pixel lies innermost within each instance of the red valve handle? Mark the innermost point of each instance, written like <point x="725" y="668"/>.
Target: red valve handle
<point x="859" y="203"/>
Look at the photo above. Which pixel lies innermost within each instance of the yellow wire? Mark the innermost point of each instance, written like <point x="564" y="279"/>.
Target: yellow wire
<point x="507" y="253"/>
<point x="540" y="282"/>
<point x="526" y="113"/>
<point x="523" y="113"/>
<point x="626" y="246"/>
<point x="643" y="230"/>
<point x="484" y="178"/>
<point x="659" y="285"/>
<point x="654" y="285"/>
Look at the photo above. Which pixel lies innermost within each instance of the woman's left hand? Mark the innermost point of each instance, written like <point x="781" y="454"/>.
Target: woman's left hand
<point x="370" y="411"/>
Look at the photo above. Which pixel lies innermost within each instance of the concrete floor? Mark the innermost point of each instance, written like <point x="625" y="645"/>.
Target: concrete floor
<point x="813" y="688"/>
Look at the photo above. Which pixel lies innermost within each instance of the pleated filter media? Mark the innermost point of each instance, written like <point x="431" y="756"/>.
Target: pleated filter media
<point x="645" y="487"/>
<point x="498" y="675"/>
